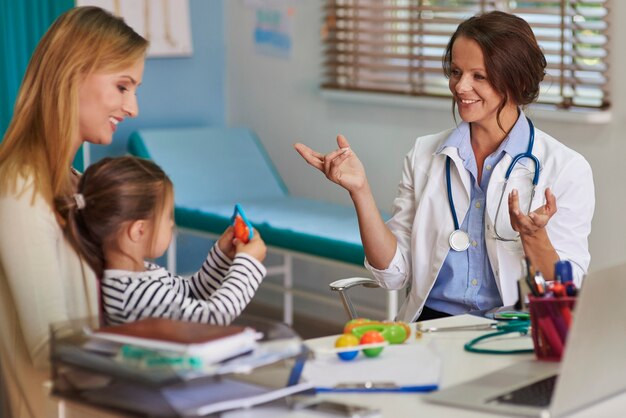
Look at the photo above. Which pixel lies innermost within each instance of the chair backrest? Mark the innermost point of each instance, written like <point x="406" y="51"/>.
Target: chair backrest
<point x="236" y="163"/>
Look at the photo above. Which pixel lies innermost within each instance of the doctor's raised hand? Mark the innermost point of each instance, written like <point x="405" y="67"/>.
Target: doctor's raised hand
<point x="344" y="168"/>
<point x="529" y="225"/>
<point x="341" y="166"/>
<point x="532" y="230"/>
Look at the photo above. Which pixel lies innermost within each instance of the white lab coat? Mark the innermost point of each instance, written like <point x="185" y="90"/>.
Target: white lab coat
<point x="422" y="221"/>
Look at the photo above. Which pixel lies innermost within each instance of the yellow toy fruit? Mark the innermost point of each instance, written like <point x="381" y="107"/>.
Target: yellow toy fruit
<point x="347" y="340"/>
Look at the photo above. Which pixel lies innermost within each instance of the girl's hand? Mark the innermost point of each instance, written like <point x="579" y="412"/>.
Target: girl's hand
<point x="225" y="243"/>
<point x="341" y="166"/>
<point x="529" y="225"/>
<point x="255" y="247"/>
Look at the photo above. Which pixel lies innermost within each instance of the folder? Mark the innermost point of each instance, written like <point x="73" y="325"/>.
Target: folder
<point x="413" y="367"/>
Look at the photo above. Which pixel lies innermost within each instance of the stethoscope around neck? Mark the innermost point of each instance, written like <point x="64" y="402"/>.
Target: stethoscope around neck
<point x="459" y="240"/>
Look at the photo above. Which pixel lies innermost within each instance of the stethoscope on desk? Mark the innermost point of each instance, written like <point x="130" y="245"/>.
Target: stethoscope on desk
<point x="459" y="240"/>
<point x="520" y="326"/>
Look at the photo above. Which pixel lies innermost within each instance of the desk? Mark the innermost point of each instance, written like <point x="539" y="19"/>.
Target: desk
<point x="458" y="366"/>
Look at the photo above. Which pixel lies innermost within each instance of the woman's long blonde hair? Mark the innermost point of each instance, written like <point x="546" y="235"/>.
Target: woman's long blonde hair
<point x="38" y="141"/>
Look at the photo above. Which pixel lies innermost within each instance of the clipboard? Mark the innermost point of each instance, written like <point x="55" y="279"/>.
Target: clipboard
<point x="411" y="367"/>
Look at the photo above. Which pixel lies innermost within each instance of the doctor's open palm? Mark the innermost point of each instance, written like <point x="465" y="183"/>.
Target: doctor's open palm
<point x="341" y="166"/>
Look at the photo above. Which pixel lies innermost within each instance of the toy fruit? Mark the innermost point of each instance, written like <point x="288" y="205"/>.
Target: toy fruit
<point x="371" y="337"/>
<point x="406" y="328"/>
<point x="356" y="322"/>
<point x="347" y="340"/>
<point x="392" y="332"/>
<point x="241" y="230"/>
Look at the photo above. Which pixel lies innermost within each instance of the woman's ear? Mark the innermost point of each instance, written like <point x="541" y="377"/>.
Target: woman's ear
<point x="137" y="230"/>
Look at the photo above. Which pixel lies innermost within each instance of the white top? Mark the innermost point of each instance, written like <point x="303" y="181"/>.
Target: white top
<point x="41" y="281"/>
<point x="216" y="294"/>
<point x="422" y="203"/>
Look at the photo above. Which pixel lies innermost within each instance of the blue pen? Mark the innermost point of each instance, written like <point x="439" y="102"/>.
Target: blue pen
<point x="563" y="274"/>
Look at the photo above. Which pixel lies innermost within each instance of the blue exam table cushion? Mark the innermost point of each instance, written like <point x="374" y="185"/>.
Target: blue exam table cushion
<point x="214" y="168"/>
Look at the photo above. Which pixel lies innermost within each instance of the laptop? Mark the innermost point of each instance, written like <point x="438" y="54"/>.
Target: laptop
<point x="591" y="370"/>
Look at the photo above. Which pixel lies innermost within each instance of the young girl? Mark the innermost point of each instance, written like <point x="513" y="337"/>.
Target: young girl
<point x="122" y="215"/>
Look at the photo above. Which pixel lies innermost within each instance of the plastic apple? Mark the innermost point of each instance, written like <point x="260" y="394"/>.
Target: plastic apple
<point x="372" y="337"/>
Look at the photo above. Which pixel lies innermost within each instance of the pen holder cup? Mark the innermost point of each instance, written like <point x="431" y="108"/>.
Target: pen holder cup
<point x="550" y="320"/>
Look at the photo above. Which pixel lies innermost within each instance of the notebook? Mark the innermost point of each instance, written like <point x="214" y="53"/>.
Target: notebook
<point x="210" y="342"/>
<point x="591" y="370"/>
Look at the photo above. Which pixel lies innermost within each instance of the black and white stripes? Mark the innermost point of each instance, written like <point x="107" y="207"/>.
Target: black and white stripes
<point x="216" y="294"/>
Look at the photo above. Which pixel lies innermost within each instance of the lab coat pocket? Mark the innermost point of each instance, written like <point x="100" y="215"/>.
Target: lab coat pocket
<point x="501" y="229"/>
<point x="511" y="242"/>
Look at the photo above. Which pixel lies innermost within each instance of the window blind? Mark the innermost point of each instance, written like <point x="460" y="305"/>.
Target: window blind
<point x="396" y="46"/>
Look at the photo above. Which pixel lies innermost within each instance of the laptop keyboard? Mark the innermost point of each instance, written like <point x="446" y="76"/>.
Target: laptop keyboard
<point x="536" y="394"/>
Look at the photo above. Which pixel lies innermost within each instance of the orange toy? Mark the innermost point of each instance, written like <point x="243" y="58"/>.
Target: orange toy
<point x="242" y="226"/>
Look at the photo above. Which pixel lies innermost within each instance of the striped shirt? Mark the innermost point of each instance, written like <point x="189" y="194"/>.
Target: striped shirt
<point x="216" y="294"/>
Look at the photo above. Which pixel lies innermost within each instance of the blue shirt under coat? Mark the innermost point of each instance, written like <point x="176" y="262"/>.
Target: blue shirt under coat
<point x="466" y="281"/>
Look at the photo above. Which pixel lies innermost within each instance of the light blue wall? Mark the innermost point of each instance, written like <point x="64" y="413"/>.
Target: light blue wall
<point x="181" y="91"/>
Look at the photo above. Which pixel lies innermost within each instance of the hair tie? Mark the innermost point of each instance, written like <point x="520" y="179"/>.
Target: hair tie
<point x="80" y="201"/>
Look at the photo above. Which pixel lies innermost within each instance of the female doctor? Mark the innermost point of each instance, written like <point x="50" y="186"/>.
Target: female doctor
<point x="459" y="228"/>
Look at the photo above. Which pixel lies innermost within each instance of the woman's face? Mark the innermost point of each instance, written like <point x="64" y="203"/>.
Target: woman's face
<point x="105" y="100"/>
<point x="476" y="99"/>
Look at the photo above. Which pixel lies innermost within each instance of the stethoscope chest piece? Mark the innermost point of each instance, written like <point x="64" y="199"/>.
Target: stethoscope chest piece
<point x="459" y="240"/>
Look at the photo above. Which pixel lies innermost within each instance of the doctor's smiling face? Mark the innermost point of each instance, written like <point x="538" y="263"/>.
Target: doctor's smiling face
<point x="494" y="64"/>
<point x="476" y="99"/>
<point x="105" y="100"/>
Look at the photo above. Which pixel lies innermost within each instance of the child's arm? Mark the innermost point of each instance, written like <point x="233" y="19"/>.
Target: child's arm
<point x="240" y="281"/>
<point x="159" y="294"/>
<point x="217" y="294"/>
<point x="220" y="259"/>
<point x="227" y="302"/>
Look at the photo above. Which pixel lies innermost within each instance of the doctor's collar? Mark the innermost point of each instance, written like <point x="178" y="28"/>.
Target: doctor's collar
<point x="515" y="142"/>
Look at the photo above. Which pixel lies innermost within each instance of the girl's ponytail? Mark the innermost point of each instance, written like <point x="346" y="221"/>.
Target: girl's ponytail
<point x="111" y="193"/>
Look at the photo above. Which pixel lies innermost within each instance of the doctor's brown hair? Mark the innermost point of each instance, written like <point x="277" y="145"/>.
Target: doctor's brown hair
<point x="514" y="61"/>
<point x="111" y="193"/>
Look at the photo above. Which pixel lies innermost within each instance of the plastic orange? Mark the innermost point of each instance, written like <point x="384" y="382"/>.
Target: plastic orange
<point x="241" y="230"/>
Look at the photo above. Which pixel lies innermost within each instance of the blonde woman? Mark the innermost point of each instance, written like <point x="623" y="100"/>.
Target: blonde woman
<point x="80" y="84"/>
